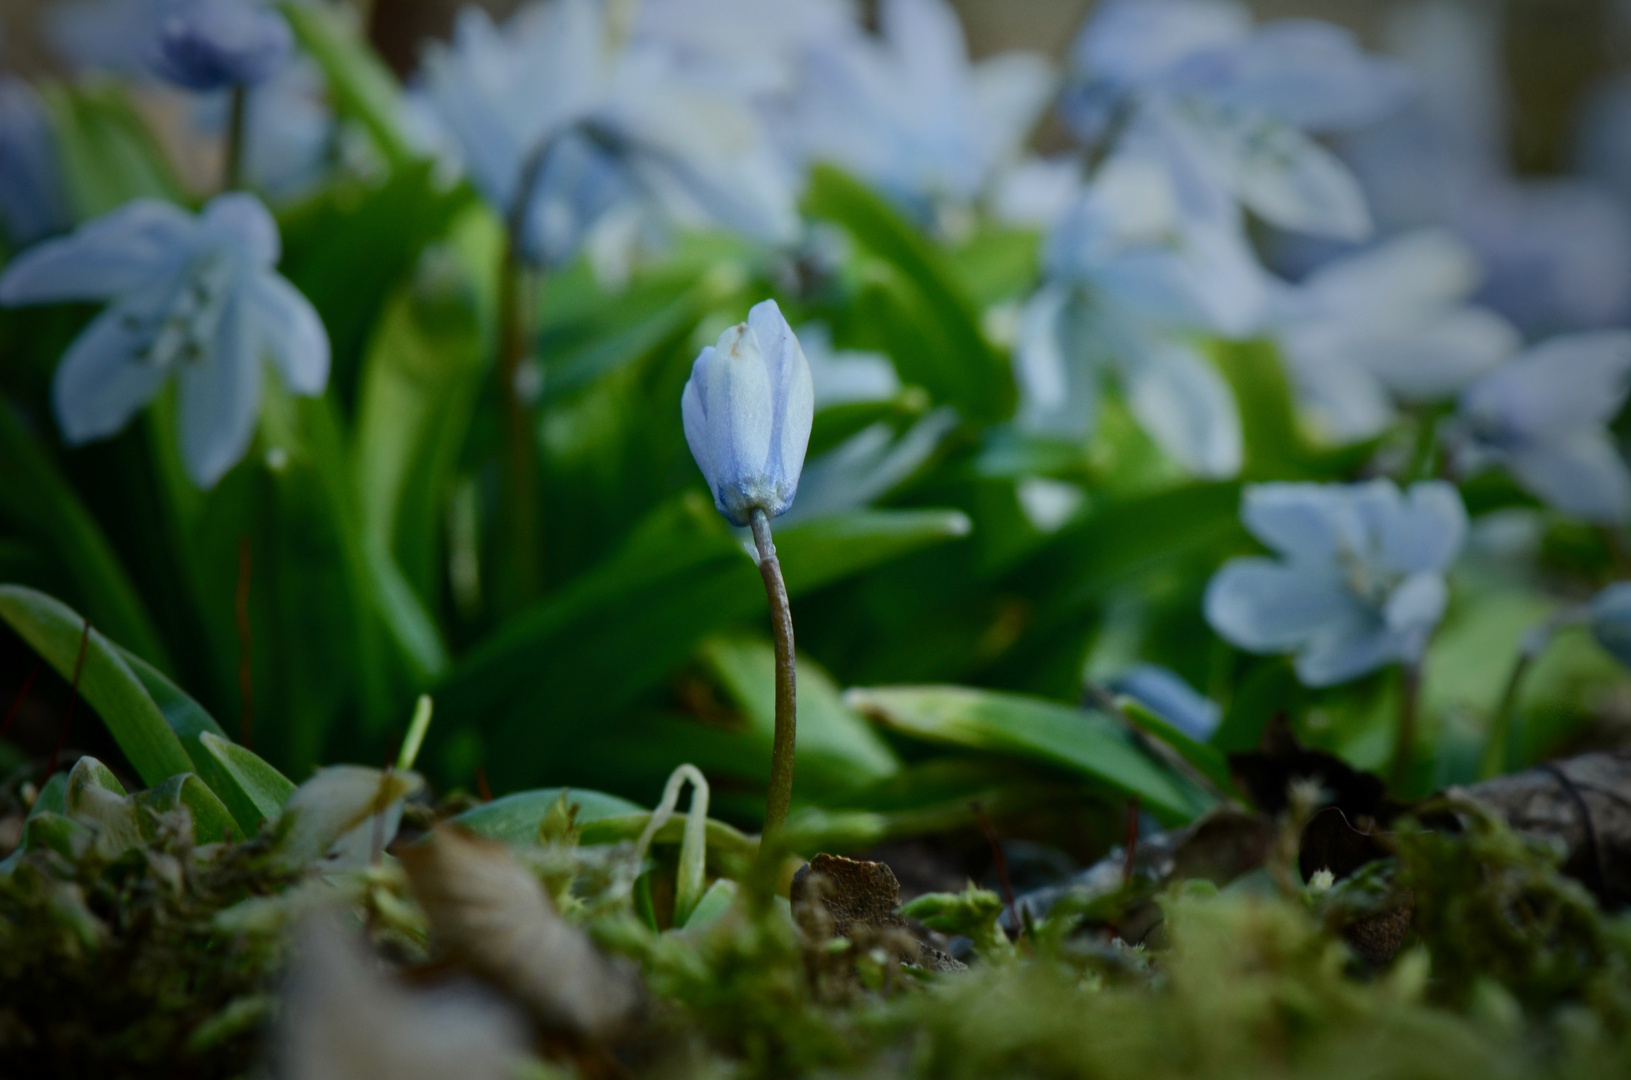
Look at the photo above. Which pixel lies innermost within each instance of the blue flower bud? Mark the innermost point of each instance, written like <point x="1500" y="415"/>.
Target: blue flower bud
<point x="209" y="44"/>
<point x="32" y="194"/>
<point x="1611" y="620"/>
<point x="747" y="410"/>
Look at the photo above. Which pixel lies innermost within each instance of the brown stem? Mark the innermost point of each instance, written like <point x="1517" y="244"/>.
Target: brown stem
<point x="1407" y="726"/>
<point x="780" y="797"/>
<point x="518" y="512"/>
<point x="232" y="174"/>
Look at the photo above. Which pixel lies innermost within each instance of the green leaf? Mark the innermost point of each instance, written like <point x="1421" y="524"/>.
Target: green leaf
<point x="253" y="790"/>
<point x="331" y="804"/>
<point x="107" y="683"/>
<point x="108" y="156"/>
<point x="1085" y="743"/>
<point x="836" y="748"/>
<point x="363" y="87"/>
<point x="952" y="359"/>
<point x="723" y="840"/>
<point x="515" y="819"/>
<point x="37" y="500"/>
<point x="618" y="630"/>
<point x="1208" y="760"/>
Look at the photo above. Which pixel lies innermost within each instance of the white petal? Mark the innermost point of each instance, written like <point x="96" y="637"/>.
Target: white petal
<point x="1439" y="358"/>
<point x="1185" y="405"/>
<point x="100" y="384"/>
<point x="741" y="419"/>
<point x="219" y="400"/>
<point x="117" y="253"/>
<point x="1421" y="530"/>
<point x="1293" y="182"/>
<point x="293" y="333"/>
<point x="1417" y="604"/>
<point x="1582" y="474"/>
<point x="693" y="413"/>
<point x="1266" y="606"/>
<point x="927" y="37"/>
<point x="1010" y="92"/>
<point x="1556" y="387"/>
<point x="1308" y="523"/>
<point x="1347" y="650"/>
<point x="1056" y="367"/>
<point x="1421" y="269"/>
<point x="1307" y="73"/>
<point x="242" y="220"/>
<point x="1132" y="42"/>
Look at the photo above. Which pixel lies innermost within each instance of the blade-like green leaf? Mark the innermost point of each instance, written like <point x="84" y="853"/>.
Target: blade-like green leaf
<point x="594" y="648"/>
<point x="836" y="748"/>
<point x="1207" y="760"/>
<point x="253" y="790"/>
<point x="36" y="500"/>
<point x="1082" y="742"/>
<point x="514" y="819"/>
<point x="951" y="359"/>
<point x="107" y="683"/>
<point x="108" y="156"/>
<point x="363" y="87"/>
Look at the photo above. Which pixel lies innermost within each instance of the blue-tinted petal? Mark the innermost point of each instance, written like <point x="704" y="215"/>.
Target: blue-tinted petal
<point x="1310" y="74"/>
<point x="1611" y="620"/>
<point x="118" y="252"/>
<point x="219" y="398"/>
<point x="694" y="414"/>
<point x="242" y="221"/>
<point x="1165" y="693"/>
<point x="1266" y="606"/>
<point x="1056" y="367"/>
<point x="1417" y="605"/>
<point x="741" y="419"/>
<point x="293" y="334"/>
<point x="33" y="200"/>
<point x="1581" y="474"/>
<point x="1345" y="650"/>
<point x="1129" y="43"/>
<point x="1422" y="529"/>
<point x="209" y="44"/>
<point x="100" y="383"/>
<point x="1185" y="405"/>
<point x="1308" y="523"/>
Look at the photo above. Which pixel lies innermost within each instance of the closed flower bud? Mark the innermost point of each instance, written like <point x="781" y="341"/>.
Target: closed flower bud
<point x="210" y="44"/>
<point x="747" y="410"/>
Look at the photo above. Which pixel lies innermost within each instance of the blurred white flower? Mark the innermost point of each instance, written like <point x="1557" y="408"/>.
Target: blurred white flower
<point x="1229" y="107"/>
<point x="197" y="299"/>
<point x="868" y="465"/>
<point x="1388" y="324"/>
<point x="910" y="113"/>
<point x="1610" y="620"/>
<point x="744" y="46"/>
<point x="1556" y="252"/>
<point x="551" y="111"/>
<point x="1131" y="282"/>
<point x="1544" y="418"/>
<point x="845" y="376"/>
<point x="1359" y="578"/>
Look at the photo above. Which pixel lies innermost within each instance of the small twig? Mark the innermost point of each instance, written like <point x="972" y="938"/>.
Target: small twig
<point x="73" y="699"/>
<point x="1000" y="861"/>
<point x="1408" y="707"/>
<point x="482" y="789"/>
<point x="17" y="702"/>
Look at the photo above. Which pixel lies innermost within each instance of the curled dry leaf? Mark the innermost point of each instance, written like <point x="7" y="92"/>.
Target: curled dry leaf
<point x="490" y="913"/>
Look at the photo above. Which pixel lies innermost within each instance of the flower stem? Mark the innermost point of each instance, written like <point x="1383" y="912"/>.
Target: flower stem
<point x="780" y="797"/>
<point x="1407" y="726"/>
<point x="1501" y="741"/>
<point x="237" y="120"/>
<point x="518" y="539"/>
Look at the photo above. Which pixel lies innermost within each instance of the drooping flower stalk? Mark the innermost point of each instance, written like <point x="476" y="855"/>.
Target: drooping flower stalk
<point x="747" y="408"/>
<point x="780" y="795"/>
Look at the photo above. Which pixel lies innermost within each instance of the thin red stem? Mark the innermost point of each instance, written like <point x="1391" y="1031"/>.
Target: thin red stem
<point x="17" y="702"/>
<point x="1132" y="841"/>
<point x="1001" y="862"/>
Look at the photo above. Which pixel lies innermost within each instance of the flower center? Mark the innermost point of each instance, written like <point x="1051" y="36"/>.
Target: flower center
<point x="183" y="327"/>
